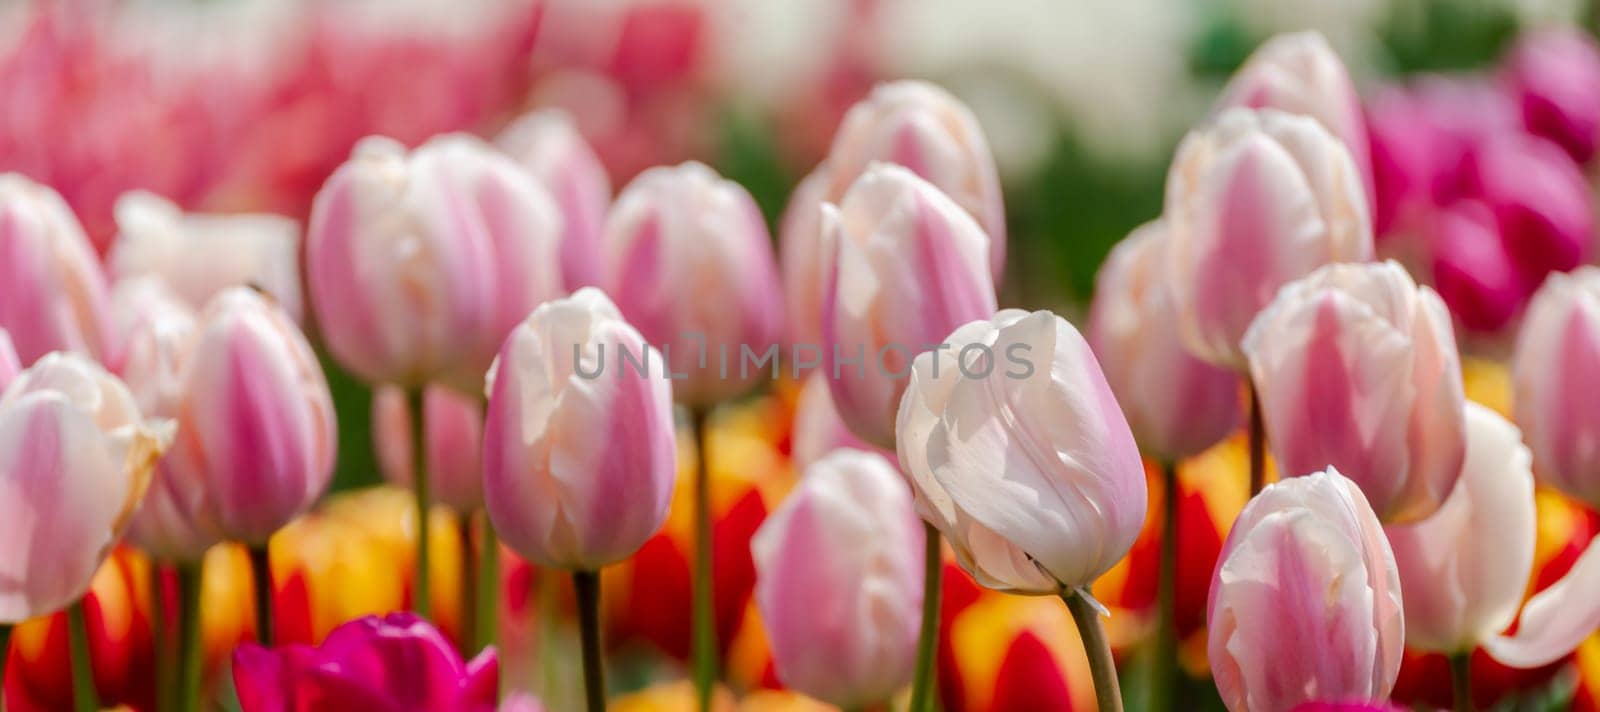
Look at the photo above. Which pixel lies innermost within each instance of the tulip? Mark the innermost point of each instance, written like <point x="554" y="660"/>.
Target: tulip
<point x="804" y="258"/>
<point x="1475" y="277"/>
<point x="52" y="290"/>
<point x="547" y="145"/>
<point x="1003" y="652"/>
<point x="199" y="255"/>
<point x="1176" y="404"/>
<point x="1356" y="367"/>
<point x="556" y="494"/>
<point x="1554" y="74"/>
<point x="452" y="448"/>
<point x="1555" y="369"/>
<point x="419" y="263"/>
<point x="1255" y="201"/>
<point x="930" y="132"/>
<point x="837" y="581"/>
<point x="909" y="270"/>
<point x="1540" y="201"/>
<point x="686" y="228"/>
<point x="10" y="365"/>
<point x="818" y="429"/>
<point x="398" y="662"/>
<point x="75" y="458"/>
<point x="1305" y="604"/>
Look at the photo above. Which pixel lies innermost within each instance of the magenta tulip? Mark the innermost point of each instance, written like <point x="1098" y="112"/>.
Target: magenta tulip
<point x="1554" y="74"/>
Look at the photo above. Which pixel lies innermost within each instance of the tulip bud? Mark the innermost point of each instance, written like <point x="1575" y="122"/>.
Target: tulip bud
<point x="1255" y="201"/>
<point x="1305" y="604"/>
<point x="1356" y="367"/>
<point x="75" y="459"/>
<point x="1018" y="453"/>
<point x="199" y="255"/>
<point x="557" y="494"/>
<point x="908" y="270"/>
<point x="1474" y="275"/>
<point x="1556" y="370"/>
<point x="804" y="258"/>
<point x="452" y="443"/>
<point x="548" y="146"/>
<point x="845" y="541"/>
<point x="256" y="430"/>
<point x="419" y="263"/>
<point x="927" y="130"/>
<point x="1463" y="569"/>
<point x="10" y="365"/>
<point x="1555" y="75"/>
<point x="52" y="290"/>
<point x="1540" y="201"/>
<point x="1176" y="404"/>
<point x="687" y="256"/>
<point x="818" y="429"/>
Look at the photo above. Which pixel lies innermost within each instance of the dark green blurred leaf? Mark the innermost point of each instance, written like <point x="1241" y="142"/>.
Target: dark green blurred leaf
<point x="352" y="402"/>
<point x="1446" y="35"/>
<point x="747" y="154"/>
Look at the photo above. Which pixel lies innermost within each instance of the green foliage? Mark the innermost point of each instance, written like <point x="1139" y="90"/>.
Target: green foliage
<point x="357" y="464"/>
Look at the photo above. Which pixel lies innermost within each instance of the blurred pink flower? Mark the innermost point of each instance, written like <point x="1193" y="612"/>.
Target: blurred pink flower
<point x="1554" y="73"/>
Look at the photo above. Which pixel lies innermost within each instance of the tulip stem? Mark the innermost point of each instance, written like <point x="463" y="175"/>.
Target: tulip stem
<point x="5" y="654"/>
<point x="488" y="603"/>
<point x="165" y="647"/>
<point x="419" y="493"/>
<point x="928" y="640"/>
<point x="189" y="636"/>
<point x="1097" y="648"/>
<point x="84" y="696"/>
<point x="587" y="586"/>
<point x="704" y="614"/>
<point x="261" y="576"/>
<point x="1461" y="680"/>
<point x="1258" y="443"/>
<point x="469" y="587"/>
<point x="1164" y="673"/>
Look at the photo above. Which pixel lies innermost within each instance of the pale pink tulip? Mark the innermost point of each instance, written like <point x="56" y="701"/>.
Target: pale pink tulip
<point x="1176" y="404"/>
<point x="10" y="365"/>
<point x="75" y="459"/>
<point x="927" y="130"/>
<point x="909" y="268"/>
<point x="804" y="258"/>
<point x="452" y="443"/>
<point x="52" y="290"/>
<point x="1356" y="367"/>
<point x="1018" y="453"/>
<point x="687" y="256"/>
<point x="1557" y="375"/>
<point x="420" y="262"/>
<point x="838" y="581"/>
<point x="579" y="445"/>
<point x="818" y="429"/>
<point x="1254" y="201"/>
<point x="1305" y="604"/>
<point x="549" y="147"/>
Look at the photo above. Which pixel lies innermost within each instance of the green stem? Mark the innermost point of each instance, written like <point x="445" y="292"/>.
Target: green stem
<point x="166" y="661"/>
<point x="587" y="586"/>
<point x="469" y="587"/>
<point x="419" y="492"/>
<point x="922" y="692"/>
<point x="84" y="696"/>
<point x="488" y="603"/>
<point x="1164" y="673"/>
<point x="1258" y="443"/>
<point x="5" y="654"/>
<point x="1461" y="680"/>
<point x="704" y="615"/>
<point x="261" y="577"/>
<point x="190" y="648"/>
<point x="1097" y="648"/>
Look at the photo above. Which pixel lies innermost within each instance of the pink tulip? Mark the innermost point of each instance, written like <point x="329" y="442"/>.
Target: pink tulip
<point x="52" y="290"/>
<point x="804" y="258"/>
<point x="199" y="255"/>
<point x="1356" y="367"/>
<point x="1018" y="453"/>
<point x="1540" y="200"/>
<point x="1255" y="201"/>
<point x="909" y="269"/>
<point x="10" y="365"/>
<point x="818" y="429"/>
<point x="838" y="581"/>
<point x="419" y="263"/>
<point x="75" y="459"/>
<point x="256" y="430"/>
<point x="1557" y="375"/>
<point x="1474" y="275"/>
<point x="1554" y="74"/>
<point x="452" y="444"/>
<point x="1176" y="404"/>
<point x="558" y="492"/>
<point x="549" y="147"/>
<point x="927" y="130"/>
<point x="399" y="663"/>
<point x="1305" y="603"/>
<point x="688" y="258"/>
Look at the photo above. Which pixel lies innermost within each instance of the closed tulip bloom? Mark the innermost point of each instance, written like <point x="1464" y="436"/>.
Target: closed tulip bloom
<point x="1464" y="569"/>
<point x="419" y="263"/>
<point x="805" y="258"/>
<point x="1541" y="202"/>
<point x="1255" y="201"/>
<point x="558" y="492"/>
<point x="838" y="582"/>
<point x="52" y="290"/>
<point x="1556" y="370"/>
<point x="198" y="255"/>
<point x="10" y="365"/>
<point x="927" y="130"/>
<point x="452" y="443"/>
<point x="1176" y="404"/>
<point x="75" y="458"/>
<point x="1555" y="75"/>
<point x="1018" y="453"/>
<point x="256" y="430"/>
<point x="1305" y="604"/>
<point x="547" y="145"/>
<point x="688" y="258"/>
<point x="908" y="269"/>
<point x="1356" y="367"/>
